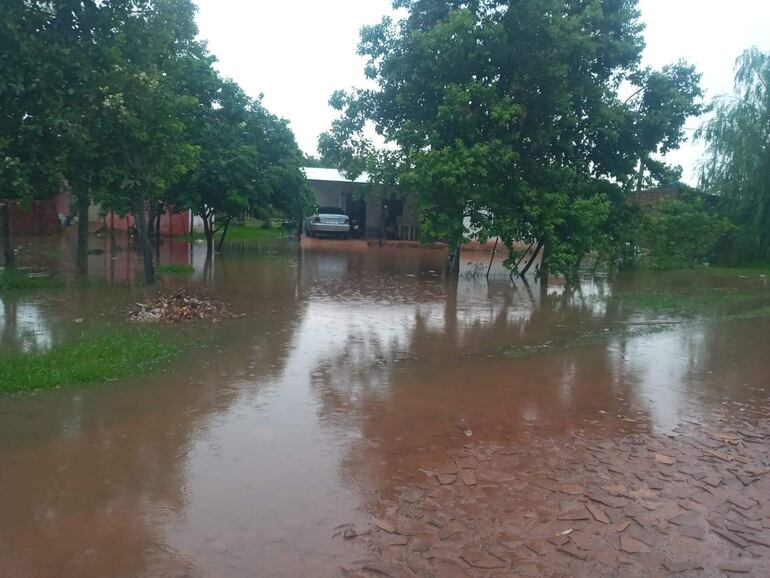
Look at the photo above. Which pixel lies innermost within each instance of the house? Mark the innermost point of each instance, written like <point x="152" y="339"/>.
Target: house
<point x="379" y="213"/>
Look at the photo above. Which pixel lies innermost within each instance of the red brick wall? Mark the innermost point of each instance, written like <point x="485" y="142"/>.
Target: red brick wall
<point x="38" y="218"/>
<point x="171" y="224"/>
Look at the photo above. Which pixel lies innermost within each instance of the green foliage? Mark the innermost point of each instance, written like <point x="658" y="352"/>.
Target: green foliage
<point x="663" y="103"/>
<point x="121" y="101"/>
<point x="249" y="159"/>
<point x="30" y="161"/>
<point x="737" y="166"/>
<point x="682" y="233"/>
<point x="95" y="357"/>
<point x="505" y="115"/>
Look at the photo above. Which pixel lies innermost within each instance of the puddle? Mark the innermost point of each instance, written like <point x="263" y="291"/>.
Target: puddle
<point x="346" y="371"/>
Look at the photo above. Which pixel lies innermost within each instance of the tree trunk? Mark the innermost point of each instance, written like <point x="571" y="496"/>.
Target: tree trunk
<point x="543" y="272"/>
<point x="532" y="260"/>
<point x="113" y="239"/>
<point x="492" y="259"/>
<point x="5" y="216"/>
<point x="151" y="212"/>
<point x="640" y="178"/>
<point x="224" y="234"/>
<point x="157" y="229"/>
<point x="208" y="231"/>
<point x="144" y="240"/>
<point x="524" y="254"/>
<point x="453" y="259"/>
<point x="81" y="260"/>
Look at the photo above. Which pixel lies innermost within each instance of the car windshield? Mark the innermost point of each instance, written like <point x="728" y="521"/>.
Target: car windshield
<point x="330" y="211"/>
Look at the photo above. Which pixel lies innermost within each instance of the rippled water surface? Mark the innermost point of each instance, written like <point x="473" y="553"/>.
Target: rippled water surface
<point x="347" y="366"/>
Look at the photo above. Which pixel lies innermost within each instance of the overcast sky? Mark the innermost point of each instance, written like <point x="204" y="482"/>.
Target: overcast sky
<point x="297" y="52"/>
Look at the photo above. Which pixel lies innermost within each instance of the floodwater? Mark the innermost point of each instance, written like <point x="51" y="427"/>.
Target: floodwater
<point x="347" y="371"/>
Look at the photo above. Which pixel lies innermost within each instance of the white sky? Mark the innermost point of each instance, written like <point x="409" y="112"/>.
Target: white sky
<point x="297" y="52"/>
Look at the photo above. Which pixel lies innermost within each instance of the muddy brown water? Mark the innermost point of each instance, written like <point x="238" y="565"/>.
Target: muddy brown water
<point x="347" y="371"/>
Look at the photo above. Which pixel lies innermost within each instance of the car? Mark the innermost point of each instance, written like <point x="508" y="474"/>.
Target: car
<point x="328" y="221"/>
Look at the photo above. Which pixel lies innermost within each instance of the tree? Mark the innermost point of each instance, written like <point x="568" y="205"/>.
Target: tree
<point x="85" y="38"/>
<point x="737" y="163"/>
<point x="682" y="232"/>
<point x="30" y="112"/>
<point x="661" y="106"/>
<point x="147" y="110"/>
<point x="248" y="159"/>
<point x="505" y="115"/>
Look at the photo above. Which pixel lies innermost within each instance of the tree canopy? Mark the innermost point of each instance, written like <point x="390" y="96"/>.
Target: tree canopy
<point x="120" y="100"/>
<point x="506" y="115"/>
<point x="737" y="164"/>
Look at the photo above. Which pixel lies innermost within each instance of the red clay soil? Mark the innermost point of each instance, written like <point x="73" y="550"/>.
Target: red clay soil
<point x="693" y="503"/>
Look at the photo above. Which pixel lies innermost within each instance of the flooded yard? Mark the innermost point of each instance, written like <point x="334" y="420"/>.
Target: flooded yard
<point x="365" y="416"/>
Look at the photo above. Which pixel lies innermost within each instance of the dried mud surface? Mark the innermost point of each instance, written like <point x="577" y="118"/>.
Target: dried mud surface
<point x="695" y="502"/>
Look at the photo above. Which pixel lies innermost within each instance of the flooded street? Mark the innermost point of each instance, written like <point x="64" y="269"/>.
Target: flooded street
<point x="362" y="394"/>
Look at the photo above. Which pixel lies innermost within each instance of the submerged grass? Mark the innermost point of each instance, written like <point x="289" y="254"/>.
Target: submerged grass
<point x="176" y="269"/>
<point x="673" y="302"/>
<point x="762" y="269"/>
<point x="12" y="279"/>
<point x="627" y="331"/>
<point x="586" y="339"/>
<point x="96" y="356"/>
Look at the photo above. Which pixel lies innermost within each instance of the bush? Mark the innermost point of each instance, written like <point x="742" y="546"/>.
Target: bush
<point x="682" y="233"/>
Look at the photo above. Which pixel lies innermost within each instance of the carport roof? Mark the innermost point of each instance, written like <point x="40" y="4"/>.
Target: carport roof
<point x="331" y="175"/>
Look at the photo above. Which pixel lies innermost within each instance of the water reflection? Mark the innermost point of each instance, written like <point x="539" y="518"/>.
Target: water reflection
<point x="346" y="370"/>
<point x="23" y="326"/>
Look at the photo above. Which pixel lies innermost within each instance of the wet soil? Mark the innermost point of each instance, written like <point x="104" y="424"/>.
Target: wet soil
<point x="362" y="415"/>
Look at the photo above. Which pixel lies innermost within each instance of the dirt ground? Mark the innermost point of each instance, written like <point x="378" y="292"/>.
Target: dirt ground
<point x="693" y="503"/>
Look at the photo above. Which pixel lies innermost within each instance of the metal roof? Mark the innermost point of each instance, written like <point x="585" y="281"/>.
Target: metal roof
<point x="331" y="175"/>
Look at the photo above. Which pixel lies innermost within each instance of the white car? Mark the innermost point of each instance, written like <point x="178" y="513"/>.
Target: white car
<point x="328" y="221"/>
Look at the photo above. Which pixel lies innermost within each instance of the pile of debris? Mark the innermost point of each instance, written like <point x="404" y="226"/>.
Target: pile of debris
<point x="181" y="306"/>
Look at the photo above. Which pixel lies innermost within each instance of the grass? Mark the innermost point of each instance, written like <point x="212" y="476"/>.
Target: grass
<point x="681" y="302"/>
<point x="96" y="356"/>
<point x="176" y="269"/>
<point x="238" y="233"/>
<point x="19" y="280"/>
<point x="244" y="233"/>
<point x="758" y="269"/>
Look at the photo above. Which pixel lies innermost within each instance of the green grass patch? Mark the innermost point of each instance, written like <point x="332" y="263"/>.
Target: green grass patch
<point x="96" y="356"/>
<point x="176" y="269"/>
<point x="253" y="233"/>
<point x="759" y="313"/>
<point x="748" y="271"/>
<point x="244" y="233"/>
<point x="684" y="302"/>
<point x="20" y="280"/>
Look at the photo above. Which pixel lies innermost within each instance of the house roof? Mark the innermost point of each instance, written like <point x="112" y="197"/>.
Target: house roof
<point x="331" y="175"/>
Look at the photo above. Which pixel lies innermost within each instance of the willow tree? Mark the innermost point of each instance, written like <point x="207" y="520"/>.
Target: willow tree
<point x="506" y="114"/>
<point x="737" y="165"/>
